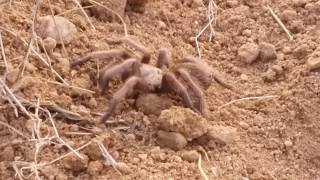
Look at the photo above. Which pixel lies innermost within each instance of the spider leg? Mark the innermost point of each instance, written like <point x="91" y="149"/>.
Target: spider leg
<point x="131" y="86"/>
<point x="146" y="53"/>
<point x="195" y="88"/>
<point x="101" y="55"/>
<point x="171" y="83"/>
<point x="124" y="70"/>
<point x="164" y="58"/>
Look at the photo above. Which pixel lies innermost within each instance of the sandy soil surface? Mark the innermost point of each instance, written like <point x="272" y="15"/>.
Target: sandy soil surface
<point x="272" y="133"/>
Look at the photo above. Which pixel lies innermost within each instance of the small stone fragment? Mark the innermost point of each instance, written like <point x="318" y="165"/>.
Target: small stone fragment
<point x="288" y="144"/>
<point x="94" y="168"/>
<point x="288" y="15"/>
<point x="161" y="25"/>
<point x="49" y="45"/>
<point x="313" y="63"/>
<point x="191" y="156"/>
<point x="75" y="164"/>
<point x="299" y="3"/>
<point x="153" y="104"/>
<point x="269" y="76"/>
<point x="278" y="69"/>
<point x="301" y="51"/>
<point x="123" y="168"/>
<point x="183" y="120"/>
<point x="248" y="53"/>
<point x="46" y="27"/>
<point x="267" y="51"/>
<point x="220" y="134"/>
<point x="172" y="140"/>
<point x="244" y="125"/>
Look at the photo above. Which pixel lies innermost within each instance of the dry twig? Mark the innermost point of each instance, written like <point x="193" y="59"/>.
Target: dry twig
<point x="85" y="14"/>
<point x="204" y="175"/>
<point x="280" y="23"/>
<point x="3" y="54"/>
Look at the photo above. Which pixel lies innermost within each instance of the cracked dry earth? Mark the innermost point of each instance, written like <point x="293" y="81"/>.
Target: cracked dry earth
<point x="274" y="137"/>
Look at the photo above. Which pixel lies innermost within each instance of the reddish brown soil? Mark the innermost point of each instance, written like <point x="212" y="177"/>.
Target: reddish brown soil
<point x="279" y="136"/>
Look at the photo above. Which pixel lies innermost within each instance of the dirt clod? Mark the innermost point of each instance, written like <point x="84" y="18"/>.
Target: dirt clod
<point x="95" y="167"/>
<point x="184" y="121"/>
<point x="220" y="134"/>
<point x="313" y="63"/>
<point x="46" y="28"/>
<point x="153" y="104"/>
<point x="248" y="53"/>
<point x="75" y="164"/>
<point x="267" y="51"/>
<point x="124" y="168"/>
<point x="7" y="154"/>
<point x="191" y="156"/>
<point x="172" y="140"/>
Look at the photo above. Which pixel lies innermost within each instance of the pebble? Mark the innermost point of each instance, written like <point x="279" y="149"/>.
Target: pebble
<point x="191" y="156"/>
<point x="123" y="168"/>
<point x="95" y="167"/>
<point x="287" y="50"/>
<point x="46" y="27"/>
<point x="248" y="53"/>
<point x="267" y="51"/>
<point x="244" y="77"/>
<point x="244" y="125"/>
<point x="301" y="51"/>
<point x="278" y="69"/>
<point x="288" y="15"/>
<point x="183" y="120"/>
<point x="49" y="45"/>
<point x="299" y="3"/>
<point x="313" y="63"/>
<point x="172" y="140"/>
<point x="221" y="134"/>
<point x="288" y="143"/>
<point x="75" y="164"/>
<point x="161" y="25"/>
<point x="143" y="157"/>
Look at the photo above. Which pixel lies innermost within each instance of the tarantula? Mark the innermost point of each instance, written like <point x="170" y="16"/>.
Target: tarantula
<point x="189" y="78"/>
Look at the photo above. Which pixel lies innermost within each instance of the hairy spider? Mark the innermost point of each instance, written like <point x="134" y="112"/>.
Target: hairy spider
<point x="189" y="78"/>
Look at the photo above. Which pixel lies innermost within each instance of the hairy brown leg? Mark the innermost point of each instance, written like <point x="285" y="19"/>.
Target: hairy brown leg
<point x="170" y="82"/>
<point x="131" y="86"/>
<point x="121" y="53"/>
<point x="195" y="88"/>
<point x="124" y="70"/>
<point x="139" y="47"/>
<point x="164" y="58"/>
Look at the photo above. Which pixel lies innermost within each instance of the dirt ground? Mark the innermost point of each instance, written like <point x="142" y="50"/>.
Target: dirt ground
<point x="278" y="132"/>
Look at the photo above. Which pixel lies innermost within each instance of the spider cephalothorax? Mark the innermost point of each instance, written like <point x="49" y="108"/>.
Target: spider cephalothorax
<point x="189" y="78"/>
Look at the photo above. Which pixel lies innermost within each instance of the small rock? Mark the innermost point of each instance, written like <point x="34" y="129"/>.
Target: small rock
<point x="248" y="53"/>
<point x="75" y="164"/>
<point x="244" y="77"/>
<point x="232" y="3"/>
<point x="63" y="66"/>
<point x="94" y="168"/>
<point x="49" y="45"/>
<point x="269" y="76"/>
<point x="244" y="125"/>
<point x="247" y="32"/>
<point x="92" y="103"/>
<point x="220" y="134"/>
<point x="301" y="51"/>
<point x="46" y="27"/>
<point x="299" y="3"/>
<point x="267" y="51"/>
<point x="123" y="168"/>
<point x="313" y="63"/>
<point x="143" y="157"/>
<point x="191" y="156"/>
<point x="93" y="152"/>
<point x="288" y="15"/>
<point x="183" y="120"/>
<point x="161" y="25"/>
<point x="278" y="69"/>
<point x="7" y="154"/>
<point x="196" y="3"/>
<point x="153" y="103"/>
<point x="287" y="50"/>
<point x="172" y="140"/>
<point x="288" y="144"/>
